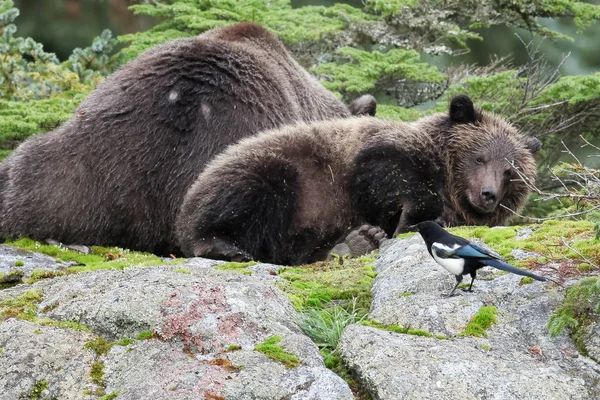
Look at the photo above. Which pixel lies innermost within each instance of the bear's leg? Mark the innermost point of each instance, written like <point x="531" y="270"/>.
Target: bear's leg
<point x="242" y="212"/>
<point x="219" y="249"/>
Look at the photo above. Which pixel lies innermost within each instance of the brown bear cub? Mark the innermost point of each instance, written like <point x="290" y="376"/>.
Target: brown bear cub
<point x="288" y="196"/>
<point x="117" y="172"/>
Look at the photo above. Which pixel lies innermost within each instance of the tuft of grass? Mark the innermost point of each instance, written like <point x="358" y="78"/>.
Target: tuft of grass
<point x="19" y="263"/>
<point x="240" y="268"/>
<point x="398" y="329"/>
<point x="481" y="321"/>
<point x="325" y="326"/>
<point x="272" y="350"/>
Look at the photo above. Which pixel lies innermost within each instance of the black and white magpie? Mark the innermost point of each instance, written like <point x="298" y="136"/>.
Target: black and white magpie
<point x="461" y="257"/>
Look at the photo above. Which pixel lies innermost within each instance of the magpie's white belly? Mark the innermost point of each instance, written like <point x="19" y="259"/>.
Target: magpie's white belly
<point x="453" y="265"/>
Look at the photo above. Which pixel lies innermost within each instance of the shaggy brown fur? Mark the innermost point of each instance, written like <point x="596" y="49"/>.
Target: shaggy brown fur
<point x="288" y="196"/>
<point x="117" y="172"/>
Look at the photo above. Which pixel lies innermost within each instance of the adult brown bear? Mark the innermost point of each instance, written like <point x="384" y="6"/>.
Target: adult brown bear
<point x="288" y="196"/>
<point x="117" y="172"/>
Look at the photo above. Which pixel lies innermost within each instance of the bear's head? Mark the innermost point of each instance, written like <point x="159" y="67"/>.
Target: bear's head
<point x="488" y="161"/>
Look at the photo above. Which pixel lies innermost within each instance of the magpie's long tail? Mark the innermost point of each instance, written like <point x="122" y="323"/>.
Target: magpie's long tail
<point x="507" y="267"/>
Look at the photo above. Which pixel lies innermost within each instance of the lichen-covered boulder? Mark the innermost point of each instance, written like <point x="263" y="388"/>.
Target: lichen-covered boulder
<point x="185" y="331"/>
<point x="510" y="356"/>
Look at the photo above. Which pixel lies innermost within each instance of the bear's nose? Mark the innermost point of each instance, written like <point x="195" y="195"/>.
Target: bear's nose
<point x="488" y="195"/>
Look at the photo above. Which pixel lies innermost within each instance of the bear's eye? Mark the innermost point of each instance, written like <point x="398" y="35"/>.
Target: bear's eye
<point x="479" y="160"/>
<point x="507" y="174"/>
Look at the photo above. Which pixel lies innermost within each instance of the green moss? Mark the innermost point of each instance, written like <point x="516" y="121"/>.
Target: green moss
<point x="182" y="271"/>
<point x="465" y="286"/>
<point x="123" y="342"/>
<point x="37" y="332"/>
<point x="545" y="243"/>
<point x="526" y="280"/>
<point x="38" y="275"/>
<point x="485" y="347"/>
<point x="13" y="278"/>
<point x="76" y="326"/>
<point x="397" y="328"/>
<point x="19" y="263"/>
<point x="110" y="396"/>
<point x="272" y="350"/>
<point x="240" y="268"/>
<point x="329" y="282"/>
<point x="481" y="321"/>
<point x="585" y="267"/>
<point x="406" y="294"/>
<point x="23" y="307"/>
<point x="97" y="373"/>
<point x="233" y="347"/>
<point x="99" y="345"/>
<point x="145" y="335"/>
<point x="35" y="393"/>
<point x="99" y="259"/>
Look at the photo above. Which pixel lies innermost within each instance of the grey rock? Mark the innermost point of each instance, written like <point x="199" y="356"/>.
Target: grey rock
<point x="196" y="316"/>
<point x="524" y="233"/>
<point x="31" y="261"/>
<point x="524" y="361"/>
<point x="396" y="366"/>
<point x="591" y="340"/>
<point x="32" y="354"/>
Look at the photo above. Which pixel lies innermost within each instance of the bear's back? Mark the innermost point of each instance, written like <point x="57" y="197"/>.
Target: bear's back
<point x="133" y="147"/>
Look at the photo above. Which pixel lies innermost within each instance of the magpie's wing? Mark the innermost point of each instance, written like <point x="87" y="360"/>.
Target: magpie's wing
<point x="472" y="250"/>
<point x="507" y="267"/>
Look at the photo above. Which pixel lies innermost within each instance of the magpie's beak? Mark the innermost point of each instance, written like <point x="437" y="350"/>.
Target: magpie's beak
<point x="413" y="228"/>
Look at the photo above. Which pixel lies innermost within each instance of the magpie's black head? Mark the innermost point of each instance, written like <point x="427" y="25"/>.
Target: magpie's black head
<point x="428" y="229"/>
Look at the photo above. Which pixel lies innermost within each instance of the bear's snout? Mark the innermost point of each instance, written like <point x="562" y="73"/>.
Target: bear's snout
<point x="488" y="196"/>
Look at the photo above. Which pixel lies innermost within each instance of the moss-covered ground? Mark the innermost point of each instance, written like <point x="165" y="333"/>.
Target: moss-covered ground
<point x="100" y="258"/>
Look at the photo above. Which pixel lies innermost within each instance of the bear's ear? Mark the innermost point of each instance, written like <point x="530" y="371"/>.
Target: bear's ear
<point x="364" y="105"/>
<point x="533" y="144"/>
<point x="462" y="110"/>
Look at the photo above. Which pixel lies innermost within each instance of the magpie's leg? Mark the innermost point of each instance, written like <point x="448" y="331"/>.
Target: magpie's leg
<point x="470" y="289"/>
<point x="458" y="281"/>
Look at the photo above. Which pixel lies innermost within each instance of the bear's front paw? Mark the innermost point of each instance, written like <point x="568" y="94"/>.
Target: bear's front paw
<point x="364" y="240"/>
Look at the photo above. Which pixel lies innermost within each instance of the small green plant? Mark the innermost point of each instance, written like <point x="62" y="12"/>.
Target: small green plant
<point x="19" y="263"/>
<point x="481" y="321"/>
<point x="35" y="393"/>
<point x="272" y="350"/>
